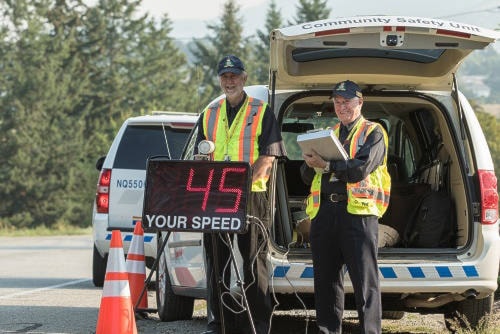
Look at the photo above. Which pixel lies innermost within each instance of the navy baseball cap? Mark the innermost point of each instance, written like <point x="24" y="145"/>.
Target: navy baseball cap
<point x="347" y="89"/>
<point x="231" y="64"/>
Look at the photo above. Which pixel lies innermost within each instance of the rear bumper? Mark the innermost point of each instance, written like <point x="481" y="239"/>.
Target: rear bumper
<point x="102" y="237"/>
<point x="475" y="272"/>
<point x="454" y="278"/>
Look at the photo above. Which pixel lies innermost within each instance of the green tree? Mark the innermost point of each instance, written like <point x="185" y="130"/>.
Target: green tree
<point x="71" y="74"/>
<point x="491" y="128"/>
<point x="38" y="97"/>
<point x="136" y="66"/>
<point x="225" y="37"/>
<point x="311" y="10"/>
<point x="261" y="61"/>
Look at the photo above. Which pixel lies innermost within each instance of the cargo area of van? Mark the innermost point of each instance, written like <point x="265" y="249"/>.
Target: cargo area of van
<point x="422" y="161"/>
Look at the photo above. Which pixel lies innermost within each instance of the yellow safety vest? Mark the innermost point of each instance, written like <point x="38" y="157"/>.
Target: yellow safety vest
<point x="240" y="141"/>
<point x="367" y="197"/>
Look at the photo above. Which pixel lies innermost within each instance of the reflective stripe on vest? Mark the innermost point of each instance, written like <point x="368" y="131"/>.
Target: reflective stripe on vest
<point x="211" y="120"/>
<point x="248" y="137"/>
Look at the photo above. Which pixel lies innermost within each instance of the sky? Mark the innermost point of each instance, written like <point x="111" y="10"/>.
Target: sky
<point x="190" y="17"/>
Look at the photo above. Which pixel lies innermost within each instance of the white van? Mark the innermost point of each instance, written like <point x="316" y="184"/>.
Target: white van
<point x="406" y="68"/>
<point x="120" y="187"/>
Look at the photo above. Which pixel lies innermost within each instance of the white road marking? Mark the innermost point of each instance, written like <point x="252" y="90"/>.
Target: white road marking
<point x="43" y="289"/>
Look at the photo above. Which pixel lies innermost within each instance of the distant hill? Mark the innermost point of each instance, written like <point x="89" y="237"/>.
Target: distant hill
<point x="184" y="45"/>
<point x="493" y="109"/>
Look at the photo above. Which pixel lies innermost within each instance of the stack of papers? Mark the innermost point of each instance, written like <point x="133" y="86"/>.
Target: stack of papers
<point x="324" y="142"/>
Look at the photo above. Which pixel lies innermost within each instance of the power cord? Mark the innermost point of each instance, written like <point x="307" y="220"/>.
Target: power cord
<point x="245" y="287"/>
<point x="239" y="295"/>
<point x="285" y="257"/>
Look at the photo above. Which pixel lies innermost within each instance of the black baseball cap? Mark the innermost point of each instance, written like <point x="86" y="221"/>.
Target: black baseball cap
<point x="230" y="63"/>
<point x="347" y="89"/>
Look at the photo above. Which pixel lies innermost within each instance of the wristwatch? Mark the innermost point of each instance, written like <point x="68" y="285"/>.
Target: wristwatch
<point x="327" y="168"/>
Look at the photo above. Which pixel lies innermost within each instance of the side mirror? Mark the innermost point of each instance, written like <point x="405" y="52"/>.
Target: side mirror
<point x="99" y="163"/>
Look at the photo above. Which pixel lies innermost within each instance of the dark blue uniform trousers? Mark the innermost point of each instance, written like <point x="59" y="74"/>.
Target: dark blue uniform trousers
<point x="339" y="238"/>
<point x="255" y="275"/>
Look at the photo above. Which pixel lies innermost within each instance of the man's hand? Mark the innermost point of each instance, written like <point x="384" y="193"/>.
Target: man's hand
<point x="261" y="169"/>
<point x="314" y="160"/>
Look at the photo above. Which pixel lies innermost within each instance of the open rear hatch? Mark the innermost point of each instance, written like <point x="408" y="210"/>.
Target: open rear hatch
<point x="382" y="52"/>
<point x="390" y="57"/>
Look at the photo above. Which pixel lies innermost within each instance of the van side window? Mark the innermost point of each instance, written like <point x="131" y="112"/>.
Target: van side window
<point x="140" y="142"/>
<point x="189" y="151"/>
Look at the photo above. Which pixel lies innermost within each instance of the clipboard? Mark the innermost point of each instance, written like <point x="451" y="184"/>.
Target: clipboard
<point x="324" y="142"/>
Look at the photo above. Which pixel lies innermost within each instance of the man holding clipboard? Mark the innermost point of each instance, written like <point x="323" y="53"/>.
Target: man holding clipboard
<point x="347" y="198"/>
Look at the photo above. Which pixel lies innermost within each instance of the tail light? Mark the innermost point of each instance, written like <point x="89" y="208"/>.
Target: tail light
<point x="102" y="195"/>
<point x="489" y="196"/>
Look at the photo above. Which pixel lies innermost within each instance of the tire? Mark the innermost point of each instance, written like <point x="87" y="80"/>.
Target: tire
<point x="393" y="315"/>
<point x="468" y="314"/>
<point x="171" y="307"/>
<point x="99" y="264"/>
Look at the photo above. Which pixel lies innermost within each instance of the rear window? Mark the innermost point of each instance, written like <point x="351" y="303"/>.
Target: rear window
<point x="419" y="56"/>
<point x="140" y="142"/>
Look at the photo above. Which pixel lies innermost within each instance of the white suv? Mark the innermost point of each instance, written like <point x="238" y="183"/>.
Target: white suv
<point x="120" y="188"/>
<point x="406" y="68"/>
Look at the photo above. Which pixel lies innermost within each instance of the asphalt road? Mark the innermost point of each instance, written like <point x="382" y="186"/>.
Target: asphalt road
<point x="46" y="287"/>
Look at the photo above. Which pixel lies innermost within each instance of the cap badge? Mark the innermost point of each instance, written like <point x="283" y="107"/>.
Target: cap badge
<point x="228" y="63"/>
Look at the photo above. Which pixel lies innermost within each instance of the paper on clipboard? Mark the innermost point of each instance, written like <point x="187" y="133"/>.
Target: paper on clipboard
<point x="324" y="142"/>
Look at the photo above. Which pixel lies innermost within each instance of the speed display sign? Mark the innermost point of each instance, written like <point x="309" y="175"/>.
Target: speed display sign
<point x="196" y="195"/>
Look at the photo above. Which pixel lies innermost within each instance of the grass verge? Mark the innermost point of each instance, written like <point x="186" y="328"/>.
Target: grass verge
<point x="45" y="231"/>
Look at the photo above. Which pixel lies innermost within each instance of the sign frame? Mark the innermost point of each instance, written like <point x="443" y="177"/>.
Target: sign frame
<point x="196" y="196"/>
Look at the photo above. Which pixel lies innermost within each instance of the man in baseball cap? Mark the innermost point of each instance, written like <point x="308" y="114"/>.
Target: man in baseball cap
<point x="242" y="128"/>
<point x="345" y="226"/>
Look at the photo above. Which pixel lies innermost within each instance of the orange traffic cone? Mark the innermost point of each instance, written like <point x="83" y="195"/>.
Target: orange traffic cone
<point x="116" y="314"/>
<point x="136" y="268"/>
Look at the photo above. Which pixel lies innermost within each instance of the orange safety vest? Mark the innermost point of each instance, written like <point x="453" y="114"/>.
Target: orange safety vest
<point x="240" y="141"/>
<point x="369" y="196"/>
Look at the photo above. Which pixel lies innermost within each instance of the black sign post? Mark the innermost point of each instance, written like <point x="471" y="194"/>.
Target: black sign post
<point x="198" y="196"/>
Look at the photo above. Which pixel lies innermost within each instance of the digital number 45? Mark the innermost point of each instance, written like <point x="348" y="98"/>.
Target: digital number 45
<point x="206" y="189"/>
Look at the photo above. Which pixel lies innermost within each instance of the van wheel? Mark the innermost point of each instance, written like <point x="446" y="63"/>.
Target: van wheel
<point x="171" y="307"/>
<point x="393" y="315"/>
<point x="468" y="314"/>
<point x="98" y="268"/>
